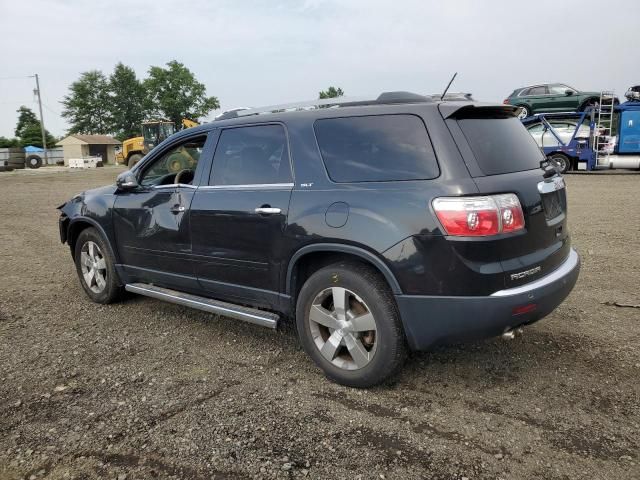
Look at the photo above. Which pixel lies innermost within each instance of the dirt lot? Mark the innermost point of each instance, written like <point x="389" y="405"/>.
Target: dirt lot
<point x="145" y="389"/>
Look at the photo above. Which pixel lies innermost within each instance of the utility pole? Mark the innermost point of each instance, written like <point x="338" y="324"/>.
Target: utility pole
<point x="44" y="137"/>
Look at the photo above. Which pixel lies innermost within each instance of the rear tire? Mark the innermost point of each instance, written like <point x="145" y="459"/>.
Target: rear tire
<point x="357" y="341"/>
<point x="590" y="102"/>
<point x="525" y="112"/>
<point x="563" y="162"/>
<point x="133" y="159"/>
<point x="96" y="267"/>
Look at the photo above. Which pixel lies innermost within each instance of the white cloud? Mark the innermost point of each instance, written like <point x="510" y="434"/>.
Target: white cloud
<point x="265" y="52"/>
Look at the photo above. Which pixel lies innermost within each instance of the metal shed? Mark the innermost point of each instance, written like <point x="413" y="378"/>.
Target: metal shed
<point x="83" y="146"/>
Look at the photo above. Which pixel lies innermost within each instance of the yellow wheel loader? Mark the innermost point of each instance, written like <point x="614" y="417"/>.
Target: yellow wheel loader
<point x="153" y="133"/>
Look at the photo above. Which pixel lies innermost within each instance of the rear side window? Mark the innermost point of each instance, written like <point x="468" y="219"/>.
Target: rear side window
<point x="376" y="148"/>
<point x="537" y="91"/>
<point x="251" y="155"/>
<point x="501" y="145"/>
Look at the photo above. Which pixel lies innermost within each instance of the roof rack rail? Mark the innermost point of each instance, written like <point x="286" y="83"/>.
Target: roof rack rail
<point x="384" y="98"/>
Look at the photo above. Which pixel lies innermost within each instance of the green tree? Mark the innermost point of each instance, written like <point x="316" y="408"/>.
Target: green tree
<point x="32" y="135"/>
<point x="26" y="117"/>
<point x="29" y="131"/>
<point x="86" y="107"/>
<point x="331" y="92"/>
<point x="9" y="142"/>
<point x="174" y="93"/>
<point x="126" y="103"/>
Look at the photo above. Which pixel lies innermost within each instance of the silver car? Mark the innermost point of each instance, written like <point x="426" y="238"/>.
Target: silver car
<point x="564" y="129"/>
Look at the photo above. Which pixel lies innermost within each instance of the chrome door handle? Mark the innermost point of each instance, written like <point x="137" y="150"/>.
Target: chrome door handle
<point x="267" y="210"/>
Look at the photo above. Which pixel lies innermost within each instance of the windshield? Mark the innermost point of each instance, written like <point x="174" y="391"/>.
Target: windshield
<point x="150" y="133"/>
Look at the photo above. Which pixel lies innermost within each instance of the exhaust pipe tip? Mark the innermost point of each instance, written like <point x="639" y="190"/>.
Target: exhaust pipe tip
<point x="511" y="334"/>
<point x="508" y="335"/>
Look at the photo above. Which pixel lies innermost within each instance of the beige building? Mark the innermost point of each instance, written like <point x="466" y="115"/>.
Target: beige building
<point x="82" y="146"/>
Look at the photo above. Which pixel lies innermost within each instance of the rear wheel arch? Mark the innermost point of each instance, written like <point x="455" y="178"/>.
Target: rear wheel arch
<point x="588" y="102"/>
<point x="311" y="258"/>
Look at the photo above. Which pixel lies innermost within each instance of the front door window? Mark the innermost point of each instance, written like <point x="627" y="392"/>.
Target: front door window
<point x="177" y="165"/>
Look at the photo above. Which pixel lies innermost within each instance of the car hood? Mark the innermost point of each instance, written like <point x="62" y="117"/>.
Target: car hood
<point x="83" y="196"/>
<point x="106" y="190"/>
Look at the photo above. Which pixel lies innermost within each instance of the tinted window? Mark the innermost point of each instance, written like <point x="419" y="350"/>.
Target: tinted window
<point x="251" y="155"/>
<point x="376" y="148"/>
<point x="537" y="91"/>
<point x="183" y="157"/>
<point x="501" y="145"/>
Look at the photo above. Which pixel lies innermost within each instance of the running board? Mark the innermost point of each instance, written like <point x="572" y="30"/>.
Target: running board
<point x="251" y="315"/>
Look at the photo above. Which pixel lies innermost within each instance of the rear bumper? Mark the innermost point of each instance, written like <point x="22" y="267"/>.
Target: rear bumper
<point x="432" y="320"/>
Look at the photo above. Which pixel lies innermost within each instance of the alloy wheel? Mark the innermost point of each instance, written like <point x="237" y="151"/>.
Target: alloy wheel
<point x="343" y="328"/>
<point x="524" y="113"/>
<point x="94" y="267"/>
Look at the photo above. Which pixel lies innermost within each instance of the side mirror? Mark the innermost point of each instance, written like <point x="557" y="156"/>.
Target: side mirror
<point x="127" y="181"/>
<point x="568" y="93"/>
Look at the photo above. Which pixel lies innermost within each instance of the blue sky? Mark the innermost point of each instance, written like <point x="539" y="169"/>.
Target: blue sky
<point x="251" y="53"/>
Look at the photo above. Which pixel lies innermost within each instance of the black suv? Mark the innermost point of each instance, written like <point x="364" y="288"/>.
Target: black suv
<point x="380" y="226"/>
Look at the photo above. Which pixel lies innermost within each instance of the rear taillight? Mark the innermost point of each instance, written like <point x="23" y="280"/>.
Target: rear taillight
<point x="479" y="216"/>
<point x="505" y="101"/>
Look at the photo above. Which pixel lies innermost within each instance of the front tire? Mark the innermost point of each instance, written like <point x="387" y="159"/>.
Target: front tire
<point x="96" y="267"/>
<point x="349" y="324"/>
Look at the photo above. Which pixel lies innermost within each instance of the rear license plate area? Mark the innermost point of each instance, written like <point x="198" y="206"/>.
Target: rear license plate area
<point x="553" y="204"/>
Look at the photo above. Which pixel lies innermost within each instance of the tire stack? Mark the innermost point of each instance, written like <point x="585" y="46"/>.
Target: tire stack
<point x="11" y="158"/>
<point x="14" y="157"/>
<point x="4" y="166"/>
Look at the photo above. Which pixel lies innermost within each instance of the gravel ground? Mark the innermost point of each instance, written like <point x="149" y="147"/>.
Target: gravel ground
<point x="146" y="389"/>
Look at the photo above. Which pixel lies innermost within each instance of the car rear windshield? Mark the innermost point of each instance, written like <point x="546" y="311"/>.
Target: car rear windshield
<point x="501" y="144"/>
<point x="376" y="148"/>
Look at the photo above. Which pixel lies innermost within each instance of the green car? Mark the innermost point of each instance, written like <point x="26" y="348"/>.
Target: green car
<point x="550" y="97"/>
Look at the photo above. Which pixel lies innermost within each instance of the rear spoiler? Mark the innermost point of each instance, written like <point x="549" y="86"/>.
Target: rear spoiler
<point x="476" y="110"/>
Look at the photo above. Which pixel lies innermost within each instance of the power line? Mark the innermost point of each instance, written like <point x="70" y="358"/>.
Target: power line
<point x="16" y="78"/>
<point x="51" y="109"/>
